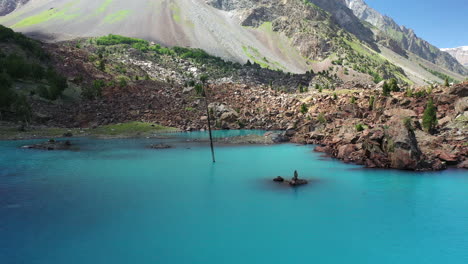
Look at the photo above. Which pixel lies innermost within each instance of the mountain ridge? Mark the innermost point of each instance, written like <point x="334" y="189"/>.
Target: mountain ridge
<point x="391" y="34"/>
<point x="288" y="35"/>
<point x="459" y="53"/>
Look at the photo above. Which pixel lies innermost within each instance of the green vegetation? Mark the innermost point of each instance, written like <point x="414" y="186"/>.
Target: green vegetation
<point x="359" y="127"/>
<point x="116" y="17"/>
<point x="321" y="118"/>
<point x="94" y="91"/>
<point x="304" y="109"/>
<point x="393" y="85"/>
<point x="28" y="66"/>
<point x="430" y="117"/>
<point x="441" y="76"/>
<point x="123" y="130"/>
<point x="353" y="100"/>
<point x="47" y="15"/>
<point x="371" y="102"/>
<point x="386" y="89"/>
<point x="407" y="122"/>
<point x="199" y="89"/>
<point x="130" y="129"/>
<point x="365" y="60"/>
<point x="335" y="97"/>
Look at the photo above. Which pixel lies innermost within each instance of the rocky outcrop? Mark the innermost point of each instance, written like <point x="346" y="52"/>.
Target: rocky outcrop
<point x="8" y="6"/>
<point x="401" y="145"/>
<point x="405" y="38"/>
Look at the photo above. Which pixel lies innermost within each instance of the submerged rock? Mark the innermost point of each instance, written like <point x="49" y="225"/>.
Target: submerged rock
<point x="160" y="146"/>
<point x="51" y="145"/>
<point x="298" y="182"/>
<point x="278" y="179"/>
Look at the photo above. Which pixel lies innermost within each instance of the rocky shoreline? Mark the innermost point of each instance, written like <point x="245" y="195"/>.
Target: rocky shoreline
<point x="386" y="134"/>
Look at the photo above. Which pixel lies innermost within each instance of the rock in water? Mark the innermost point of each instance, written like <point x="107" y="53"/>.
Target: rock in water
<point x="298" y="182"/>
<point x="160" y="146"/>
<point x="51" y="145"/>
<point x="278" y="179"/>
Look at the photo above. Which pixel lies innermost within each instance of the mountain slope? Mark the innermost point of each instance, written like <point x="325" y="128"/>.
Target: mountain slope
<point x="8" y="6"/>
<point x="287" y="35"/>
<point x="460" y="53"/>
<point x="401" y="39"/>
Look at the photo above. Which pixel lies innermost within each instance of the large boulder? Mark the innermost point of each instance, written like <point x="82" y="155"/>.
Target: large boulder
<point x="460" y="90"/>
<point x="461" y="105"/>
<point x="401" y="146"/>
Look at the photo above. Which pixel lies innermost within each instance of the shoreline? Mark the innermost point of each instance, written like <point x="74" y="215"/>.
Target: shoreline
<point x="44" y="133"/>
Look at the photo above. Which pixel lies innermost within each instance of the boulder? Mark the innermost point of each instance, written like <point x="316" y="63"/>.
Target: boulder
<point x="461" y="105"/>
<point x="401" y="146"/>
<point x="278" y="179"/>
<point x="160" y="146"/>
<point x="229" y="117"/>
<point x="460" y="90"/>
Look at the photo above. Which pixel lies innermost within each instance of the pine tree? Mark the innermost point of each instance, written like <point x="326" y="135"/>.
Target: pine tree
<point x="371" y="102"/>
<point x="394" y="85"/>
<point x="430" y="117"/>
<point x="447" y="84"/>
<point x="304" y="109"/>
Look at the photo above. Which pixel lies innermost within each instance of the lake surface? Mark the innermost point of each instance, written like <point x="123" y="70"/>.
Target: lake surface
<point x="115" y="201"/>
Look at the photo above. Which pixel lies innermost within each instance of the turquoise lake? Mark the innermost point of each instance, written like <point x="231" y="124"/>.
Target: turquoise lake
<point x="116" y="201"/>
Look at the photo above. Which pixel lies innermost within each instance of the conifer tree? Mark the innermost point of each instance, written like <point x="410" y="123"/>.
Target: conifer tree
<point x="430" y="117"/>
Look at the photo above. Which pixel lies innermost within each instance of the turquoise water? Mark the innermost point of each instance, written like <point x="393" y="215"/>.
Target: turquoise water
<point x="115" y="201"/>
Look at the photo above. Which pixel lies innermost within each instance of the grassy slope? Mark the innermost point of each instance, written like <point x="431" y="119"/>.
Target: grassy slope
<point x="125" y="130"/>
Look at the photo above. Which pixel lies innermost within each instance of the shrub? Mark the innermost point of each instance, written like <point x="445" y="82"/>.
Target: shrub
<point x="42" y="91"/>
<point x="393" y="85"/>
<point x="321" y="118"/>
<point x="7" y="95"/>
<point x="353" y="100"/>
<point x="94" y="91"/>
<point x="430" y="117"/>
<point x="359" y="127"/>
<point x="57" y="83"/>
<point x="203" y="78"/>
<point x="335" y="97"/>
<point x="371" y="102"/>
<point x="199" y="89"/>
<point x="386" y="89"/>
<point x="122" y="82"/>
<point x="304" y="109"/>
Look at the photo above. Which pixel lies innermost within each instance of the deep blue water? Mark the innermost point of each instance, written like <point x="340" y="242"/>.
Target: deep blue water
<point x="115" y="201"/>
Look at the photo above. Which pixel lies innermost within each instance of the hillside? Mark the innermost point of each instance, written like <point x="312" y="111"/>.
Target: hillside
<point x="401" y="39"/>
<point x="292" y="36"/>
<point x="460" y="53"/>
<point x="107" y="85"/>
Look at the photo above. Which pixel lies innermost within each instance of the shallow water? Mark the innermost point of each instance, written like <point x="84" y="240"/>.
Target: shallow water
<point x="115" y="201"/>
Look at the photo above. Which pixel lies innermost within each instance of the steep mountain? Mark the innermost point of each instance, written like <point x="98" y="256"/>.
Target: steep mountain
<point x="8" y="6"/>
<point x="288" y="35"/>
<point x="460" y="53"/>
<point x="401" y="39"/>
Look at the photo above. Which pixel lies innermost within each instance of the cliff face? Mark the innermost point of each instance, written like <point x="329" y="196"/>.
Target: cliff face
<point x="406" y="39"/>
<point x="8" y="6"/>
<point x="460" y="53"/>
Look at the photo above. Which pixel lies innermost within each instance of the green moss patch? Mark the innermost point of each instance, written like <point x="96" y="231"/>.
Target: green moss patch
<point x="123" y="130"/>
<point x="116" y="17"/>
